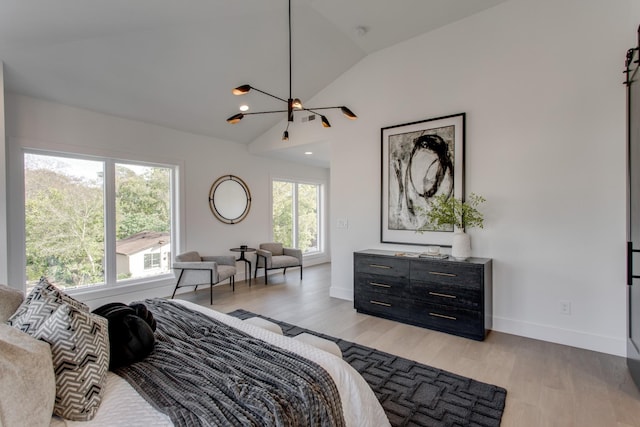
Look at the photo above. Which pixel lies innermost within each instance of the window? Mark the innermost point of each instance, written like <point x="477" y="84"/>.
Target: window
<point x="151" y="261"/>
<point x="296" y="215"/>
<point x="96" y="221"/>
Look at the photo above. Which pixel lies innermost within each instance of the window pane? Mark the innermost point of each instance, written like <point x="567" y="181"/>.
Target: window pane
<point x="143" y="220"/>
<point x="296" y="215"/>
<point x="283" y="212"/>
<point x="308" y="218"/>
<point x="64" y="220"/>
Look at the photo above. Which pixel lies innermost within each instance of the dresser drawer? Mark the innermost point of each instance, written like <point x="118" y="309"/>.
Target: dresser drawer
<point x="467" y="323"/>
<point x="384" y="266"/>
<point x="469" y="297"/>
<point x="380" y="284"/>
<point x="380" y="304"/>
<point x="447" y="273"/>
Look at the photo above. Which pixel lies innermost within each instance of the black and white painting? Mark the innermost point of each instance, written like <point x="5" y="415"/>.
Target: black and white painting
<point x="420" y="160"/>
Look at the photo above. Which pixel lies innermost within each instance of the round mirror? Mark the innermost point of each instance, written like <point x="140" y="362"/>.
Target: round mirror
<point x="229" y="199"/>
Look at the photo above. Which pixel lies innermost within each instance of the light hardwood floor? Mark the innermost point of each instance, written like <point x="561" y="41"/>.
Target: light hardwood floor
<point x="547" y="384"/>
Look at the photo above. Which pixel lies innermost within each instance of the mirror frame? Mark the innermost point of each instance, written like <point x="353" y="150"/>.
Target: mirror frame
<point x="215" y="210"/>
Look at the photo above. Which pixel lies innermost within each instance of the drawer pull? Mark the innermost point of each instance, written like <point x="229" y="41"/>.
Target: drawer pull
<point x="437" y="273"/>
<point x="379" y="266"/>
<point x="380" y="285"/>
<point x="442" y="316"/>
<point x="380" y="303"/>
<point x="438" y="294"/>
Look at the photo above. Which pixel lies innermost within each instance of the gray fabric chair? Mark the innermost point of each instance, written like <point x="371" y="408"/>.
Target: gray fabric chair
<point x="196" y="270"/>
<point x="272" y="256"/>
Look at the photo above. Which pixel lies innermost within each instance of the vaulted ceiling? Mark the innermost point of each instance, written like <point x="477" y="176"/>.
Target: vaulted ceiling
<point x="174" y="63"/>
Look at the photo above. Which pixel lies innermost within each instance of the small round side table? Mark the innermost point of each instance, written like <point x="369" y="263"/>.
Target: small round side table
<point x="247" y="264"/>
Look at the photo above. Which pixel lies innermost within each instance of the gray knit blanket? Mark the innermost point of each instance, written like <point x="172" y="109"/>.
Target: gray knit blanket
<point x="203" y="372"/>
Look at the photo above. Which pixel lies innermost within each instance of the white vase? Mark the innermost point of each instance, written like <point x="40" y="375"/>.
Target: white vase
<point x="461" y="246"/>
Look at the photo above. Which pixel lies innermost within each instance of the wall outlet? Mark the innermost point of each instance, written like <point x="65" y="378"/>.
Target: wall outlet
<point x="565" y="307"/>
<point x="342" y="223"/>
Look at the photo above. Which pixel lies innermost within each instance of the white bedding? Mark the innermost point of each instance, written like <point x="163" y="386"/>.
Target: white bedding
<point x="121" y="404"/>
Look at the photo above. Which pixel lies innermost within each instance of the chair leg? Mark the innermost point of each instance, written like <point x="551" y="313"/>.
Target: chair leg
<point x="265" y="269"/>
<point x="211" y="287"/>
<point x="285" y="271"/>
<point x="177" y="284"/>
<point x="300" y="272"/>
<point x="233" y="283"/>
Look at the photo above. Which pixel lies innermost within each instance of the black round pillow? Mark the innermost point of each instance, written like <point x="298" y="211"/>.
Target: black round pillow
<point x="141" y="311"/>
<point x="131" y="329"/>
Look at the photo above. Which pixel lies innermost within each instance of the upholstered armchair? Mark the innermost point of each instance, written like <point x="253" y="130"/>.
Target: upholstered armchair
<point x="272" y="256"/>
<point x="195" y="270"/>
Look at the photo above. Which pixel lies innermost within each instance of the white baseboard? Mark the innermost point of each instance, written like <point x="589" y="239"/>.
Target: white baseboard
<point x="341" y="293"/>
<point x="573" y="338"/>
<point x="579" y="339"/>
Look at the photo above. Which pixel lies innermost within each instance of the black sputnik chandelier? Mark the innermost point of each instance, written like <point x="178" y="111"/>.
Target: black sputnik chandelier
<point x="293" y="104"/>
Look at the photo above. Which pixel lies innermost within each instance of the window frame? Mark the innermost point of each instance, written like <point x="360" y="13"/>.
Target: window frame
<point x="111" y="286"/>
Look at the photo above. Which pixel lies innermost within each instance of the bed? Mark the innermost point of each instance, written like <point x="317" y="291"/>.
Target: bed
<point x="122" y="403"/>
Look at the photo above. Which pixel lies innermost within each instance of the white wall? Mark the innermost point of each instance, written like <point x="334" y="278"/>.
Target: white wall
<point x="3" y="186"/>
<point x="540" y="82"/>
<point x="34" y="123"/>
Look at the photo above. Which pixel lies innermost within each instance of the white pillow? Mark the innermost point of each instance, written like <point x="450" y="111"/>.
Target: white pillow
<point x="27" y="381"/>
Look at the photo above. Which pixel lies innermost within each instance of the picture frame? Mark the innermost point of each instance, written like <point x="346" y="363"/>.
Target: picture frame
<point x="419" y="161"/>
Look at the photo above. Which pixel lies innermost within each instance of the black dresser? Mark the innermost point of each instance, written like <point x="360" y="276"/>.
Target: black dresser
<point x="444" y="295"/>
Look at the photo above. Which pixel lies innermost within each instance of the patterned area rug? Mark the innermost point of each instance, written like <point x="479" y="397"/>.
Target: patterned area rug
<point x="413" y="394"/>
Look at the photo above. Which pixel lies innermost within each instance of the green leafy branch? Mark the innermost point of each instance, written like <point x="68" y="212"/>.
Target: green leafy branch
<point x="446" y="211"/>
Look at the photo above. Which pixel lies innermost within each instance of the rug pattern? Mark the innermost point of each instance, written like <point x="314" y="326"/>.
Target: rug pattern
<point x="413" y="394"/>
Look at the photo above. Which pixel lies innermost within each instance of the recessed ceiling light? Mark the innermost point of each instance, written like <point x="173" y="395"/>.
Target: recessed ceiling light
<point x="308" y="153"/>
<point x="244" y="107"/>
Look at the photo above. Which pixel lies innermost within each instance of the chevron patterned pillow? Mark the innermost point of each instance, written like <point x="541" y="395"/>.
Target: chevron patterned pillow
<point x="49" y="298"/>
<point x="37" y="312"/>
<point x="80" y="350"/>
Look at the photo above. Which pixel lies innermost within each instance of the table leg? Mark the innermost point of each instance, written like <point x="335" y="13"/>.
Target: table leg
<point x="247" y="263"/>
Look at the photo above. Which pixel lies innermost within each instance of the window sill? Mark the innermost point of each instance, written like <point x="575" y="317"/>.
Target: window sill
<point x="123" y="292"/>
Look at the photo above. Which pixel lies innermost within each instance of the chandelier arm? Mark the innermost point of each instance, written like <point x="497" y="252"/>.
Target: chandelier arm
<point x="311" y="111"/>
<point x="265" y="112"/>
<point x="321" y="108"/>
<point x="346" y="111"/>
<point x="268" y="94"/>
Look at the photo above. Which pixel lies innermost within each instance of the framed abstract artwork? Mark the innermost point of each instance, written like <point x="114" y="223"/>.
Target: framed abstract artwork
<point x="420" y="160"/>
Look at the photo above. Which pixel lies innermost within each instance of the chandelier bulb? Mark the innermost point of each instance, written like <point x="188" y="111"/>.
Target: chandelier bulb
<point x="241" y="90"/>
<point x="297" y="104"/>
<point x="235" y="118"/>
<point x="348" y="113"/>
<point x="285" y="135"/>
